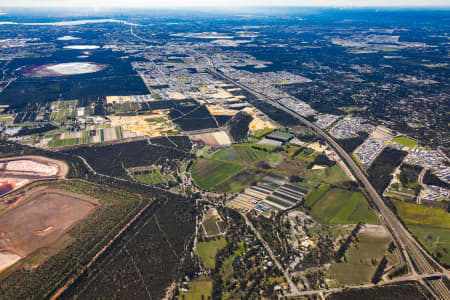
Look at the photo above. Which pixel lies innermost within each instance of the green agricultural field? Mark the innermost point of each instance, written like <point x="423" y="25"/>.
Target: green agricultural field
<point x="262" y="132"/>
<point x="85" y="139"/>
<point x="63" y="142"/>
<point x="429" y="225"/>
<point x="358" y="267"/>
<point x="200" y="288"/>
<point x="332" y="175"/>
<point x="119" y="133"/>
<point x="274" y="159"/>
<point x="247" y="154"/>
<point x="306" y="153"/>
<point x="240" y="181"/>
<point x="415" y="214"/>
<point x="154" y="177"/>
<point x="156" y="120"/>
<point x="207" y="251"/>
<point x="6" y="117"/>
<point x="338" y="206"/>
<point x="316" y="194"/>
<point x="407" y="142"/>
<point x="290" y="166"/>
<point x="227" y="154"/>
<point x="210" y="227"/>
<point x="208" y="173"/>
<point x="435" y="240"/>
<point x="210" y="222"/>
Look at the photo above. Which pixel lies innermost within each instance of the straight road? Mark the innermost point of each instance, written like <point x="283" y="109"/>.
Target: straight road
<point x="365" y="286"/>
<point x="292" y="285"/>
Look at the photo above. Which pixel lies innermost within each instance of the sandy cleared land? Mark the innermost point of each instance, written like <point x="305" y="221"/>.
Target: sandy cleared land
<point x="381" y="132"/>
<point x="140" y="126"/>
<point x="41" y="220"/>
<point x="219" y="138"/>
<point x="216" y="109"/>
<point x="374" y="230"/>
<point x="317" y="147"/>
<point x="260" y="120"/>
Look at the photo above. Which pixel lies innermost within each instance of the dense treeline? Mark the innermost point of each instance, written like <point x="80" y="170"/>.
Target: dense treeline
<point x="180" y="142"/>
<point x="35" y="130"/>
<point x="222" y="119"/>
<point x="77" y="169"/>
<point x="120" y="201"/>
<point x="343" y="248"/>
<point x="239" y="126"/>
<point x="400" y="291"/>
<point x="113" y="160"/>
<point x="276" y="114"/>
<point x="409" y="174"/>
<point x="380" y="173"/>
<point x="192" y="117"/>
<point x="380" y="270"/>
<point x="88" y="237"/>
<point x="145" y="261"/>
<point x="431" y="179"/>
<point x="322" y="160"/>
<point x="351" y="144"/>
<point x="183" y="142"/>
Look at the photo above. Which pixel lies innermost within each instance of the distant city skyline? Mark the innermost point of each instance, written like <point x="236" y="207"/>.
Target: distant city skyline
<point x="222" y="3"/>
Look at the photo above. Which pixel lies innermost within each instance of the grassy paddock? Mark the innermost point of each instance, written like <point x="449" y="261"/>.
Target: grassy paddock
<point x="209" y="173"/>
<point x="316" y="194"/>
<point x="436" y="240"/>
<point x="198" y="288"/>
<point x="332" y="175"/>
<point x="407" y="142"/>
<point x="240" y="181"/>
<point x="415" y="214"/>
<point x="338" y="206"/>
<point x="228" y="154"/>
<point x="358" y="267"/>
<point x="431" y="226"/>
<point x="207" y="251"/>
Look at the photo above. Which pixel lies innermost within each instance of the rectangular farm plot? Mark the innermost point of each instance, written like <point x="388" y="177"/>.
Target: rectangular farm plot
<point x="247" y="154"/>
<point x="41" y="221"/>
<point x="209" y="173"/>
<point x="338" y="206"/>
<point x="211" y="223"/>
<point x="358" y="268"/>
<point x="215" y="139"/>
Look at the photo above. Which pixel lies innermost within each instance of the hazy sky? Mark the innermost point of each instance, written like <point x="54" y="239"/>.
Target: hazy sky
<point x="220" y="3"/>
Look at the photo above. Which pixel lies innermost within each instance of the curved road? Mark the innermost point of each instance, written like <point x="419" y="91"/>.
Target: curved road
<point x="417" y="259"/>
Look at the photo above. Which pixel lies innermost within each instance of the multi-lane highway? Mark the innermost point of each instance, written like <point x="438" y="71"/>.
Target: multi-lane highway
<point x="417" y="259"/>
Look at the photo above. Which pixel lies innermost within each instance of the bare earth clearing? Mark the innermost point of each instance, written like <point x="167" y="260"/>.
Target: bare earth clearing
<point x="215" y="139"/>
<point x="43" y="218"/>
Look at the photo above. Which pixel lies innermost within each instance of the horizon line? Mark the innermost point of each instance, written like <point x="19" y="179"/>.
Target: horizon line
<point x="344" y="6"/>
